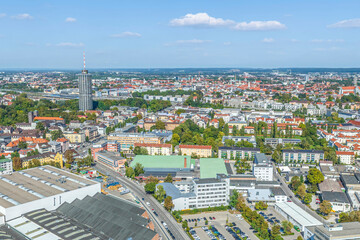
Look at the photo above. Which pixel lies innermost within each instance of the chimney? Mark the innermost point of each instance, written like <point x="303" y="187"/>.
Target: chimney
<point x="185" y="163"/>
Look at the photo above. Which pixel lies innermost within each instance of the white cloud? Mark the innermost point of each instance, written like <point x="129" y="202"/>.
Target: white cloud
<point x="66" y="44"/>
<point x="200" y="19"/>
<point x="348" y="23"/>
<point x="204" y="20"/>
<point x="126" y="34"/>
<point x="2" y="15"/>
<point x="70" y="19"/>
<point x="23" y="16"/>
<point x="268" y="40"/>
<point x="227" y="43"/>
<point x="259" y="26"/>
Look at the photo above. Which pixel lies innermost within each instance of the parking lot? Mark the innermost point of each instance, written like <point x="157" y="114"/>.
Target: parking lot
<point x="241" y="228"/>
<point x="219" y="223"/>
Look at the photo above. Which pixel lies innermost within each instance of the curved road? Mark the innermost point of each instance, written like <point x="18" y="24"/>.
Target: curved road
<point x="139" y="191"/>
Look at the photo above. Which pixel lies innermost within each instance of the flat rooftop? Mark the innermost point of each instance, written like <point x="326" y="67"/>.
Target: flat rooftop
<point x="298" y="214"/>
<point x="162" y="161"/>
<point x="36" y="183"/>
<point x="209" y="167"/>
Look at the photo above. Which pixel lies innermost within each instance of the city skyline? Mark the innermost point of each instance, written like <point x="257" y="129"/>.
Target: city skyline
<point x="141" y="34"/>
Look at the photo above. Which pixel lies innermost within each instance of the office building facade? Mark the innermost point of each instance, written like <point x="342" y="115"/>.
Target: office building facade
<point x="85" y="91"/>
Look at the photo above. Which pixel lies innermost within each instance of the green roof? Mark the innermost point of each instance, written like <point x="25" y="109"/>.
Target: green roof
<point x="159" y="161"/>
<point x="209" y="167"/>
<point x="5" y="160"/>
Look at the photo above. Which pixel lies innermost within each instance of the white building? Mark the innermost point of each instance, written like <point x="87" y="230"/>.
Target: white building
<point x="200" y="193"/>
<point x="346" y="157"/>
<point x="156" y="149"/>
<point x="296" y="215"/>
<point x="339" y="201"/>
<point x="347" y="230"/>
<point x="262" y="168"/>
<point x="6" y="166"/>
<point x="43" y="187"/>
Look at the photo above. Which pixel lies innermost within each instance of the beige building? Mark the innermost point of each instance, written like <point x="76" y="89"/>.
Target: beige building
<point x="128" y="140"/>
<point x="156" y="149"/>
<point x="198" y="150"/>
<point x="74" y="137"/>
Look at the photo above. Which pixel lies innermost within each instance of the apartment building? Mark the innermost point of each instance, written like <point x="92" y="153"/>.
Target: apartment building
<point x="156" y="149"/>
<point x="198" y="150"/>
<point x="6" y="166"/>
<point x="250" y="139"/>
<point x="200" y="193"/>
<point x="262" y="168"/>
<point x="307" y="156"/>
<point x="75" y="137"/>
<point x="276" y="141"/>
<point x="237" y="152"/>
<point x="346" y="157"/>
<point x="44" y="158"/>
<point x="128" y="140"/>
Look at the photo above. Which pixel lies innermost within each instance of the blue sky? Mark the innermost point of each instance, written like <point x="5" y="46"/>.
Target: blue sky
<point x="186" y="33"/>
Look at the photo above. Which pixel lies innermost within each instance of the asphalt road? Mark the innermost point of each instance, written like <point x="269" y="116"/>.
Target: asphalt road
<point x="293" y="198"/>
<point x="138" y="191"/>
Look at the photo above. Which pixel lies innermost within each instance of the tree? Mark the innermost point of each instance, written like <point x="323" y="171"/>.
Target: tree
<point x="40" y="126"/>
<point x="234" y="198"/>
<point x="168" y="178"/>
<point x="129" y="172"/>
<point x="151" y="179"/>
<point x="22" y="145"/>
<point x="276" y="156"/>
<point x="159" y="125"/>
<point x="261" y="205"/>
<point x="295" y="183"/>
<point x="138" y="169"/>
<point x="287" y="226"/>
<point x="307" y="198"/>
<point x="168" y="203"/>
<point x="150" y="187"/>
<point x="315" y="176"/>
<point x="56" y="134"/>
<point x="175" y="139"/>
<point x="301" y="191"/>
<point x="275" y="230"/>
<point x="160" y="193"/>
<point x="299" y="238"/>
<point x="184" y="224"/>
<point x="140" y="151"/>
<point x="69" y="156"/>
<point x="17" y="164"/>
<point x="325" y="207"/>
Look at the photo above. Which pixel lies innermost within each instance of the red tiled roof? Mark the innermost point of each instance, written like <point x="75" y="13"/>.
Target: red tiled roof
<point x="195" y="146"/>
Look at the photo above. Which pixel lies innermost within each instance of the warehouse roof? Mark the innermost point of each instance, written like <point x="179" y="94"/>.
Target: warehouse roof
<point x="209" y="167"/>
<point x="162" y="161"/>
<point x="114" y="217"/>
<point x="298" y="214"/>
<point x="36" y="183"/>
<point x="339" y="197"/>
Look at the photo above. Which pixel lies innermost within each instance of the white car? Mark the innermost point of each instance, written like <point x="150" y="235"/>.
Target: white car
<point x="147" y="203"/>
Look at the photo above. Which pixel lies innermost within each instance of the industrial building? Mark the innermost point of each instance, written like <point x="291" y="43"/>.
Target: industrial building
<point x="347" y="230"/>
<point x="296" y="215"/>
<point x="198" y="193"/>
<point x="43" y="187"/>
<point x="210" y="167"/>
<point x="262" y="168"/>
<point x="110" y="159"/>
<point x="99" y="217"/>
<point x="180" y="167"/>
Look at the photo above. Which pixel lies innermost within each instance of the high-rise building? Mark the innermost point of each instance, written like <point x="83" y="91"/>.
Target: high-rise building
<point x="85" y="90"/>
